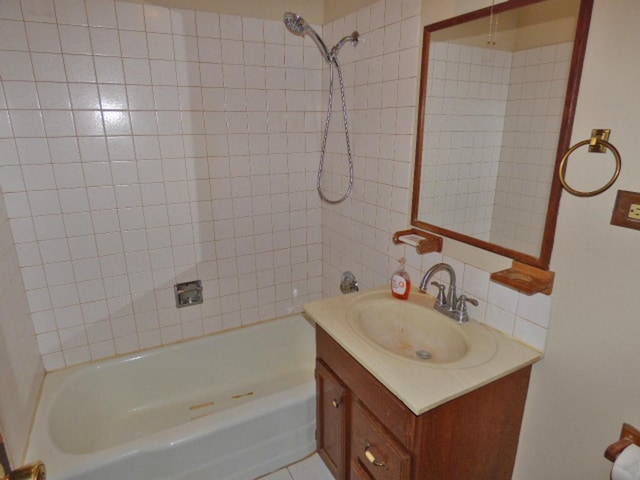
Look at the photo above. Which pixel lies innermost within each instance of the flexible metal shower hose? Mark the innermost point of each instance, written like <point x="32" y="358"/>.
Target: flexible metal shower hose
<point x="334" y="60"/>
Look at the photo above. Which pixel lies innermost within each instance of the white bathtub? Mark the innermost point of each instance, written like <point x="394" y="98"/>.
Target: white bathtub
<point x="236" y="405"/>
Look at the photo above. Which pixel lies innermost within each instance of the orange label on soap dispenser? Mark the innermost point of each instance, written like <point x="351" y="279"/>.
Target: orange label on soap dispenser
<point x="400" y="287"/>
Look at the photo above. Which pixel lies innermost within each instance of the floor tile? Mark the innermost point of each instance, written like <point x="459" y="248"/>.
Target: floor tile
<point x="311" y="468"/>
<point x="279" y="475"/>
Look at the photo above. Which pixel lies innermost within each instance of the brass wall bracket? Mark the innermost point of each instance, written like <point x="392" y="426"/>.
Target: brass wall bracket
<point x="597" y="135"/>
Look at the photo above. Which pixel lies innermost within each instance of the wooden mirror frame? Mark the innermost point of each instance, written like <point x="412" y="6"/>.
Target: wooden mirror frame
<point x="571" y="99"/>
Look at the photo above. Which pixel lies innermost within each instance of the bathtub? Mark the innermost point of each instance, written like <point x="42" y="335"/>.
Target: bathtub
<point x="235" y="405"/>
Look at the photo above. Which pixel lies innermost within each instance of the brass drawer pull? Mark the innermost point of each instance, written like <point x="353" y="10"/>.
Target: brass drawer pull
<point x="336" y="402"/>
<point x="371" y="457"/>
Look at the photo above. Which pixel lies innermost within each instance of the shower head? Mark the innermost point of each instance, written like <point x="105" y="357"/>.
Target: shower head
<point x="296" y="25"/>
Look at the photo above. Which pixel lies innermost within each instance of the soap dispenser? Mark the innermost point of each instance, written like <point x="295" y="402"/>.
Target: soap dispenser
<point x="400" y="282"/>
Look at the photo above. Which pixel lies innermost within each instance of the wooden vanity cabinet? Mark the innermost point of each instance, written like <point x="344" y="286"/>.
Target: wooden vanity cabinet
<point x="372" y="435"/>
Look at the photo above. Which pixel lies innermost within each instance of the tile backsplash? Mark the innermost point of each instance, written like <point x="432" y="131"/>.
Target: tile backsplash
<point x="144" y="146"/>
<point x="382" y="75"/>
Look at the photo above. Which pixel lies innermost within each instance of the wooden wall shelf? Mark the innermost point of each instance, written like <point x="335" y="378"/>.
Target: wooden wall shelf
<point x="423" y="241"/>
<point x="525" y="278"/>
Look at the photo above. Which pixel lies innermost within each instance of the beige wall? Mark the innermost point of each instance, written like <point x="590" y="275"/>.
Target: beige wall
<point x="536" y="31"/>
<point x="311" y="10"/>
<point x="587" y="385"/>
<point x="334" y="9"/>
<point x="316" y="12"/>
<point x="532" y="26"/>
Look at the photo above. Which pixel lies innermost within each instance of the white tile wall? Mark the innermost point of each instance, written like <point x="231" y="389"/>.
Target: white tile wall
<point x="21" y="369"/>
<point x="494" y="187"/>
<point x="534" y="110"/>
<point x="380" y="76"/>
<point x="462" y="152"/>
<point x="143" y="146"/>
<point x="357" y="235"/>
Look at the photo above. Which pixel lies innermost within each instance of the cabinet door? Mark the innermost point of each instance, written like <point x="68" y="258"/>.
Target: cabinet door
<point x="373" y="447"/>
<point x="332" y="425"/>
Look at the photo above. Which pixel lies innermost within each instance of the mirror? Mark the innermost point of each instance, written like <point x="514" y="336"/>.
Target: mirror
<point x="498" y="92"/>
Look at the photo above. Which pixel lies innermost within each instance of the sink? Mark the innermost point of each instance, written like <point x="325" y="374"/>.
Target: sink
<point x="413" y="331"/>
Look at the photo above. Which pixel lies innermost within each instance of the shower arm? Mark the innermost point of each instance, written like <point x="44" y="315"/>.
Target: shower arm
<point x="353" y="38"/>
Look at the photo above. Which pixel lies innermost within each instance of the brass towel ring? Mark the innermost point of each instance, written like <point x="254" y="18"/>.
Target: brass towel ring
<point x="563" y="168"/>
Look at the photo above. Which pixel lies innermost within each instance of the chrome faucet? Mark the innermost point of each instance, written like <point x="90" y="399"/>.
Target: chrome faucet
<point x="444" y="303"/>
<point x="447" y="303"/>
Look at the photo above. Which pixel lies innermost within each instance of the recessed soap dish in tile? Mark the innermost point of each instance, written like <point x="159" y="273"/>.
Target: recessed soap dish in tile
<point x="188" y="293"/>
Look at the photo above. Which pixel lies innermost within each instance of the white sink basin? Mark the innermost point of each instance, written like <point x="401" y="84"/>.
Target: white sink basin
<point x="413" y="331"/>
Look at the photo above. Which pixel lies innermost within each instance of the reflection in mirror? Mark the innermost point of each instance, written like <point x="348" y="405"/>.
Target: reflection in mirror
<point x="494" y="113"/>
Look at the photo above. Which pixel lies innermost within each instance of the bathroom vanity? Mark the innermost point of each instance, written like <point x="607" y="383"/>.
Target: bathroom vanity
<point x="385" y="417"/>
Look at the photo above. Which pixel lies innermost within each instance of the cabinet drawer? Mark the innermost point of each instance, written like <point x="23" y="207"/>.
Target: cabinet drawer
<point x="358" y="473"/>
<point x="381" y="455"/>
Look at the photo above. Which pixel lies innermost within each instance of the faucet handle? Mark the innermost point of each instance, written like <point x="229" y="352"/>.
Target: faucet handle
<point x="462" y="314"/>
<point x="441" y="299"/>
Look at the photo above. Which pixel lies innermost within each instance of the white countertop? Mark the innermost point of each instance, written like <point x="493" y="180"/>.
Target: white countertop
<point x="421" y="387"/>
